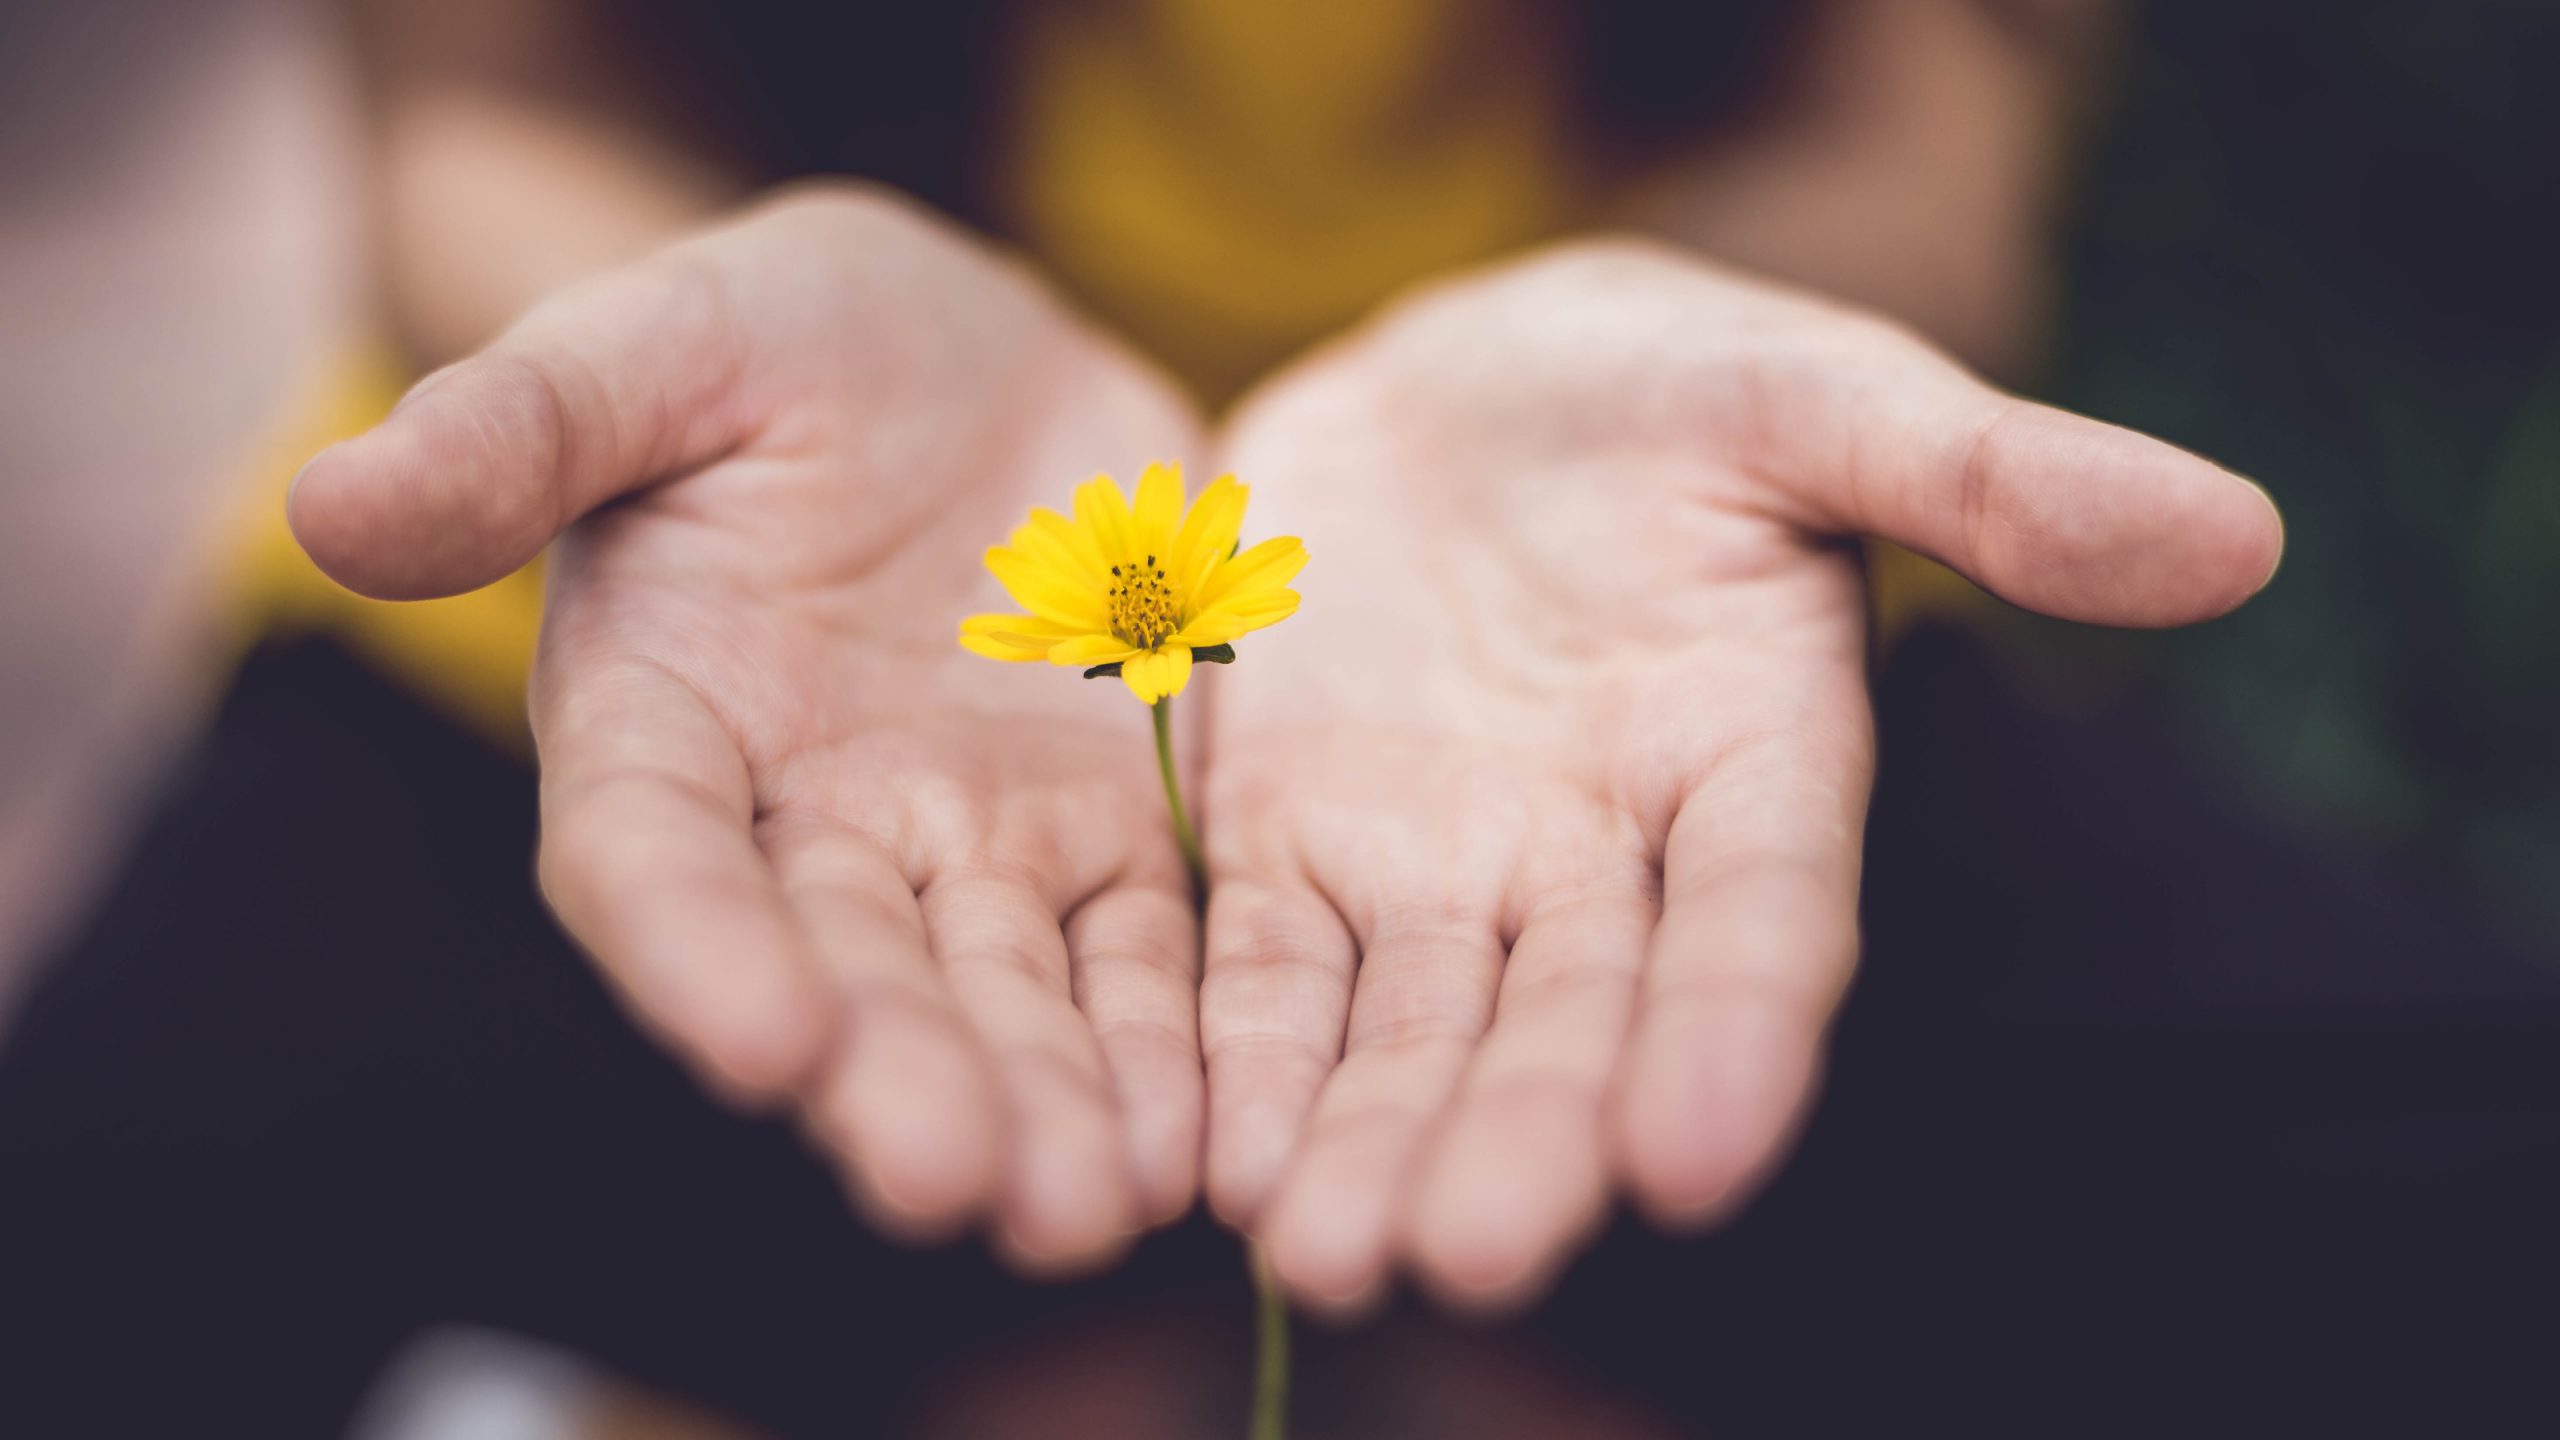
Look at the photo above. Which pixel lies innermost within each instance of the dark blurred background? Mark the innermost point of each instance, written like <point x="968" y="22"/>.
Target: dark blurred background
<point x="2204" y="1071"/>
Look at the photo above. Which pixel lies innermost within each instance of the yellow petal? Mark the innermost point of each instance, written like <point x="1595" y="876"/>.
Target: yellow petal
<point x="1158" y="675"/>
<point x="1047" y="591"/>
<point x="1010" y="637"/>
<point x="1090" y="650"/>
<point x="1045" y="546"/>
<point x="1208" y="532"/>
<point x="1237" y="614"/>
<point x="1205" y="630"/>
<point x="1029" y="627"/>
<point x="1267" y="566"/>
<point x="1139" y="676"/>
<point x="1159" y="510"/>
<point x="995" y="649"/>
<point x="1079" y="542"/>
<point x="1258" y="608"/>
<point x="1103" y="512"/>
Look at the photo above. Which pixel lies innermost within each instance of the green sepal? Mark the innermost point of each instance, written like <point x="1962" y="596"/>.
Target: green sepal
<point x="1200" y="655"/>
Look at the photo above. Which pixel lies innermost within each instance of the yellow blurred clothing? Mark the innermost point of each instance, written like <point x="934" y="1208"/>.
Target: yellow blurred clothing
<point x="1226" y="183"/>
<point x="468" y="655"/>
<point x="1223" y="182"/>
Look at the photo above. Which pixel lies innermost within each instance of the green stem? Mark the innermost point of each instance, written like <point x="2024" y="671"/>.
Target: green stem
<point x="1183" y="834"/>
<point x="1271" y="1355"/>
<point x="1270" y="1308"/>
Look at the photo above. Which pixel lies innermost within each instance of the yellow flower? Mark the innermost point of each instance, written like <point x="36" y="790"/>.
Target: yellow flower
<point x="1140" y="587"/>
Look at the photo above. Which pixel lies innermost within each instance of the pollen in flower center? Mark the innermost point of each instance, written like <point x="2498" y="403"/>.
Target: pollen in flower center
<point x="1143" y="608"/>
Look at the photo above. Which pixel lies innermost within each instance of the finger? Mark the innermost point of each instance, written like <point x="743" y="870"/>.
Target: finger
<point x="1425" y="995"/>
<point x="1067" y="1201"/>
<point x="613" y="383"/>
<point x="1518" y="1174"/>
<point x="1136" y="956"/>
<point x="909" y="1101"/>
<point x="2053" y="511"/>
<point x="649" y="860"/>
<point x="1758" y="936"/>
<point x="1275" y="989"/>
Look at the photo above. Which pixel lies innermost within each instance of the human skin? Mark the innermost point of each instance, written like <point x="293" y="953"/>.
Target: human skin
<point x="503" y="177"/>
<point x="930" y="903"/>
<point x="1534" y="838"/>
<point x="1535" y="835"/>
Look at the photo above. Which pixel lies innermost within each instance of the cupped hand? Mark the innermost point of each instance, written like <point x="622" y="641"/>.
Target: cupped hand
<point x="1535" y="837"/>
<point x="831" y="857"/>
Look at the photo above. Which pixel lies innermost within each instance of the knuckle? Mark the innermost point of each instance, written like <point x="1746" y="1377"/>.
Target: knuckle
<point x="1268" y="1050"/>
<point x="1060" y="1076"/>
<point x="1268" y="933"/>
<point x="1129" y="1034"/>
<point x="1416" y="1028"/>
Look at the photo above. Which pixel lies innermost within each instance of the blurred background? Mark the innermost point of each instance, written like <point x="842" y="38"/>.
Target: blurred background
<point x="2206" y="1062"/>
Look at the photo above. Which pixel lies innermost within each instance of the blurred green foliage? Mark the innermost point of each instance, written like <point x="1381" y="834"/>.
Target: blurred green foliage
<point x="2320" y="243"/>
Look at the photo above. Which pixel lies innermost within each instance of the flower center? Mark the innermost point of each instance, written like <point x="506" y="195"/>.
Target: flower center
<point x="1143" y="610"/>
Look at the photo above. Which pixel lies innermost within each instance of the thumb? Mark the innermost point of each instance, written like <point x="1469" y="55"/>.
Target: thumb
<point x="2049" y="510"/>
<point x="607" y="386"/>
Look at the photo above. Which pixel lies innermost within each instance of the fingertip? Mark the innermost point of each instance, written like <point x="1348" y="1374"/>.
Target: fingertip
<point x="1483" y="1285"/>
<point x="335" y="518"/>
<point x="1329" y="1258"/>
<point x="2088" y="521"/>
<point x="756" y="1036"/>
<point x="1275" y="992"/>
<point x="926" y="1214"/>
<point x="1134" y="953"/>
<point x="1259" y="1101"/>
<point x="1469" y="1261"/>
<point x="1162" y="1125"/>
<point x="454" y="490"/>
<point x="1248" y="1150"/>
<point x="1066" y="1235"/>
<point x="1342" y="1313"/>
<point x="1068" y="1208"/>
<point x="1674" y="1184"/>
<point x="2261" y="543"/>
<point x="1485" y="1237"/>
<point x="1332" y="1301"/>
<point x="1703" y="1116"/>
<point x="918" y="1132"/>
<point x="1233" y="1202"/>
<point x="1322" y="1287"/>
<point x="1050" y="1257"/>
<point x="2221" y="540"/>
<point x="1159" y="1102"/>
<point x="1167" y="1174"/>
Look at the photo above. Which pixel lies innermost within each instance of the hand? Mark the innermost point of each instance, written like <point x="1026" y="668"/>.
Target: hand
<point x="829" y="855"/>
<point x="1535" y="836"/>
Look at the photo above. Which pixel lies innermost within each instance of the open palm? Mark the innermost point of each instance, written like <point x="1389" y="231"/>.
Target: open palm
<point x="825" y="852"/>
<point x="1535" y="837"/>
